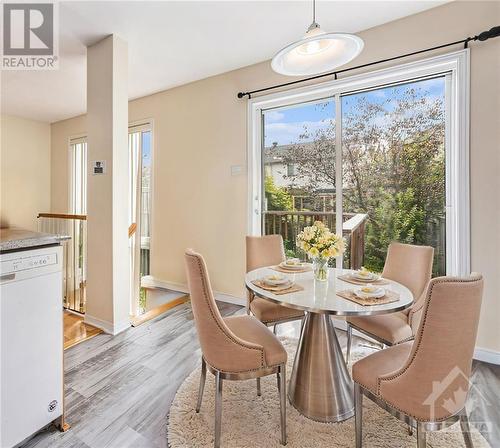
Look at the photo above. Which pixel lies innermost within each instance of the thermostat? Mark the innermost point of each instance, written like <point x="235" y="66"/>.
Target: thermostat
<point x="99" y="167"/>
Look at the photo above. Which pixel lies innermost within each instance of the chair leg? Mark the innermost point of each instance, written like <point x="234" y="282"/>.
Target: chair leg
<point x="464" y="425"/>
<point x="421" y="435"/>
<point x="349" y="342"/>
<point x="202" y="384"/>
<point x="218" y="409"/>
<point x="358" y="414"/>
<point x="275" y="329"/>
<point x="282" y="389"/>
<point x="258" y="387"/>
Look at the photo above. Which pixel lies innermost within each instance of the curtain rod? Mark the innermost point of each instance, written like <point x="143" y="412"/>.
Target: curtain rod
<point x="485" y="35"/>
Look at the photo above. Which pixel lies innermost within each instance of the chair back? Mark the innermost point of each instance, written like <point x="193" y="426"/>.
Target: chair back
<point x="264" y="251"/>
<point x="220" y="347"/>
<point x="409" y="265"/>
<point x="433" y="383"/>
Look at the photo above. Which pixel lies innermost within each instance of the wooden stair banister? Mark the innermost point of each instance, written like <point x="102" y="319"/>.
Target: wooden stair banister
<point x="132" y="229"/>
<point x="62" y="216"/>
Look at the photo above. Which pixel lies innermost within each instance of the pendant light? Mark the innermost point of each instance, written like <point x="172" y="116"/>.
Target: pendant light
<point x="317" y="52"/>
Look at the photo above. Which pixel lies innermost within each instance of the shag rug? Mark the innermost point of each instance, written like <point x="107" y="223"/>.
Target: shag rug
<point x="252" y="421"/>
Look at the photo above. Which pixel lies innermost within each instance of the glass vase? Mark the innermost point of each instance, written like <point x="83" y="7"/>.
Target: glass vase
<point x="320" y="269"/>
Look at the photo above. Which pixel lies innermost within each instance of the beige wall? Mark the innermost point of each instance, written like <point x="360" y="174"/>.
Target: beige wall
<point x="25" y="171"/>
<point x="200" y="130"/>
<point x="61" y="132"/>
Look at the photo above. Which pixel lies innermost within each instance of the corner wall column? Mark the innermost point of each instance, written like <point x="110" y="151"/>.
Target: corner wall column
<point x="108" y="277"/>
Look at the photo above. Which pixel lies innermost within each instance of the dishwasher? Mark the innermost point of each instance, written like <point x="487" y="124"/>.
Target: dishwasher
<point x="31" y="339"/>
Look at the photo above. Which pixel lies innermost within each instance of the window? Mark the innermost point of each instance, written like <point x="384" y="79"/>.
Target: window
<point x="78" y="176"/>
<point x="380" y="157"/>
<point x="297" y="191"/>
<point x="75" y="250"/>
<point x="140" y="165"/>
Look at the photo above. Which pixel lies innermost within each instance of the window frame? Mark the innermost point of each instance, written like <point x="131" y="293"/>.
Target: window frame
<point x="457" y="65"/>
<point x="146" y="125"/>
<point x="74" y="140"/>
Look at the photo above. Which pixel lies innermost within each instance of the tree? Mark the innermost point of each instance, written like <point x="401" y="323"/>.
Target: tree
<point x="393" y="167"/>
<point x="278" y="198"/>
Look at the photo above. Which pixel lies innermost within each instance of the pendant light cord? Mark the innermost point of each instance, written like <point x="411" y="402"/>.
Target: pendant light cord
<point x="485" y="35"/>
<point x="314" y="11"/>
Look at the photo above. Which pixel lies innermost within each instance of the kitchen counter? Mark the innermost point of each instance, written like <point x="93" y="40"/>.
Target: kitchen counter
<point x="15" y="238"/>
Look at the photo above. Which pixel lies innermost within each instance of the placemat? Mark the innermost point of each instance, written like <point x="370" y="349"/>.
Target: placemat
<point x="306" y="268"/>
<point x="276" y="289"/>
<point x="390" y="296"/>
<point x="350" y="279"/>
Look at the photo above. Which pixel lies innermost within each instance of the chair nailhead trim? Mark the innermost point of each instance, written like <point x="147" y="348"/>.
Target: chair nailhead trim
<point x="228" y="336"/>
<point x="427" y="302"/>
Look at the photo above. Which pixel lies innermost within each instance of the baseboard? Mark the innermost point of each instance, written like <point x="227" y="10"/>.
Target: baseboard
<point x="228" y="298"/>
<point x="106" y="326"/>
<point x="487" y="355"/>
<point x="149" y="281"/>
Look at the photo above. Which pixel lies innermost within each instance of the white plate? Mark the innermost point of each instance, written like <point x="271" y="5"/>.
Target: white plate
<point x="275" y="280"/>
<point x="377" y="294"/>
<point x="286" y="285"/>
<point x="367" y="278"/>
<point x="292" y="267"/>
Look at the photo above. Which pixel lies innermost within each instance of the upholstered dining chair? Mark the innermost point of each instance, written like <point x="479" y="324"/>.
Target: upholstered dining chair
<point x="425" y="382"/>
<point x="412" y="267"/>
<point x="233" y="348"/>
<point x="265" y="251"/>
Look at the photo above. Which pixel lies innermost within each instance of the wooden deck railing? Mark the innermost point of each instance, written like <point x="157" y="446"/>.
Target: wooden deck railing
<point x="289" y="223"/>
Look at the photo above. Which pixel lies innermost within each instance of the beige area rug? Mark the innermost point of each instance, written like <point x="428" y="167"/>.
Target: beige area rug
<point x="252" y="421"/>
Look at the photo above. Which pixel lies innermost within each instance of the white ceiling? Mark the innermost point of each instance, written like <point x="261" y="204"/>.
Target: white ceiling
<point x="173" y="43"/>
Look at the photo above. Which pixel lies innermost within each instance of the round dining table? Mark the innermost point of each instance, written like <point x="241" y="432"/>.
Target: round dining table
<point x="320" y="385"/>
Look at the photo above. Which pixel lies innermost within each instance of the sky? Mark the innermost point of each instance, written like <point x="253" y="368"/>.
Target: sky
<point x="284" y="125"/>
<point x="146" y="149"/>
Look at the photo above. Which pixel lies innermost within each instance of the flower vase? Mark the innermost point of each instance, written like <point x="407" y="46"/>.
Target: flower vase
<point x="320" y="269"/>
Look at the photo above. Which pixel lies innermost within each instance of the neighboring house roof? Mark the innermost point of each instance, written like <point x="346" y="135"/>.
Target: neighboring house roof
<point x="277" y="153"/>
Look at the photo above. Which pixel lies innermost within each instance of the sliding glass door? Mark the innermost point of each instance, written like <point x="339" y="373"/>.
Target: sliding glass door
<point x="298" y="169"/>
<point x="393" y="166"/>
<point x="387" y="182"/>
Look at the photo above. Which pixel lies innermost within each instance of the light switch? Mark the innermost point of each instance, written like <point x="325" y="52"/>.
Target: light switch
<point x="236" y="170"/>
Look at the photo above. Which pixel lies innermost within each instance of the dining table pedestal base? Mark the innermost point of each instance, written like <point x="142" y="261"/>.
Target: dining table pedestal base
<point x="320" y="385"/>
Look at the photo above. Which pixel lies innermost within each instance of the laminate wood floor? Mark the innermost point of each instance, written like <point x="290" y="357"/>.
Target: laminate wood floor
<point x="119" y="389"/>
<point x="76" y="331"/>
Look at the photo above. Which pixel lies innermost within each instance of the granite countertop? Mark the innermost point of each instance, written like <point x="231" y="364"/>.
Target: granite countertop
<point x="15" y="238"/>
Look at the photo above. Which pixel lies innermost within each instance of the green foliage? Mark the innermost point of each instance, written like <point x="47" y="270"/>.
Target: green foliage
<point x="397" y="217"/>
<point x="393" y="169"/>
<point x="142" y="299"/>
<point x="278" y="198"/>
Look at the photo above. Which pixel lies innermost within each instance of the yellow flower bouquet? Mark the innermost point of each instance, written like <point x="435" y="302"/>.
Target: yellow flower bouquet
<point x="320" y="244"/>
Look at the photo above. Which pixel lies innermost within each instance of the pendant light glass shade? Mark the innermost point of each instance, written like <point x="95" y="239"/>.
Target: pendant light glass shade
<point x="317" y="52"/>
